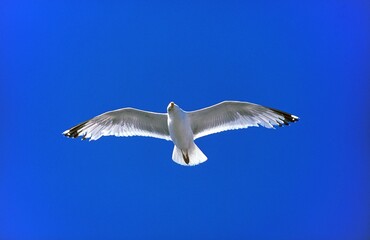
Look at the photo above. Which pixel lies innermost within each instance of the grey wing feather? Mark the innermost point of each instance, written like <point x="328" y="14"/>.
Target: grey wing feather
<point x="230" y="115"/>
<point x="122" y="122"/>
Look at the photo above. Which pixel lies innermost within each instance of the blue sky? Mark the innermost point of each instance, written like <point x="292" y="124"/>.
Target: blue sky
<point x="63" y="62"/>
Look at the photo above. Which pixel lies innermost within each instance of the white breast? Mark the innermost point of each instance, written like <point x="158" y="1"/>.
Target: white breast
<point x="180" y="129"/>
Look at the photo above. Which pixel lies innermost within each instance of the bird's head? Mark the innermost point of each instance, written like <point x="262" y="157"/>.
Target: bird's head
<point x="171" y="106"/>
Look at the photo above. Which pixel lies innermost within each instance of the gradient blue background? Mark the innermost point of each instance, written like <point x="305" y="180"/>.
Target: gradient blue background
<point x="62" y="62"/>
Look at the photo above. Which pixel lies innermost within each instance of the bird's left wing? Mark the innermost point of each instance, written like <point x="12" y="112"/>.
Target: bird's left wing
<point x="122" y="122"/>
<point x="230" y="115"/>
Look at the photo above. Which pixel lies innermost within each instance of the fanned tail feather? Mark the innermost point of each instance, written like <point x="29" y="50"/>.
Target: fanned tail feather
<point x="191" y="157"/>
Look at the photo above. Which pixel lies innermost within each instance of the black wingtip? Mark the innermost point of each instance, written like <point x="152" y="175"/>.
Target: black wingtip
<point x="288" y="118"/>
<point x="75" y="131"/>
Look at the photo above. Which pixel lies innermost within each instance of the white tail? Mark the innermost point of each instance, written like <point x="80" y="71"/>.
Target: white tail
<point x="194" y="156"/>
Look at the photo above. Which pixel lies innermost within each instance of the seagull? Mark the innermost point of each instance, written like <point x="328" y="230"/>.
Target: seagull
<point x="179" y="126"/>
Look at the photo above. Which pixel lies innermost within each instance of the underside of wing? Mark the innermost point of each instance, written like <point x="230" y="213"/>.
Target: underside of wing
<point x="230" y="115"/>
<point x="122" y="122"/>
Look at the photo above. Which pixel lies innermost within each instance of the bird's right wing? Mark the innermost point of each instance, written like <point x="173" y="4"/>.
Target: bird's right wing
<point x="230" y="115"/>
<point x="122" y="122"/>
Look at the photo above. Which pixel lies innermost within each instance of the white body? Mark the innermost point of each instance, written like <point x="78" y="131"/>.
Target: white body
<point x="185" y="152"/>
<point x="179" y="128"/>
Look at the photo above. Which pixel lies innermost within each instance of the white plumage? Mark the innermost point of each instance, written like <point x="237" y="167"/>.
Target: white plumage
<point x="180" y="126"/>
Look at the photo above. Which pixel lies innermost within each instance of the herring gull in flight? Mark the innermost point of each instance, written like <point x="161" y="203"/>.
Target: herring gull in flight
<point x="181" y="127"/>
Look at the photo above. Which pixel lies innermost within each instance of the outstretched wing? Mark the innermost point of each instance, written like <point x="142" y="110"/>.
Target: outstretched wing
<point x="230" y="115"/>
<point x="122" y="122"/>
